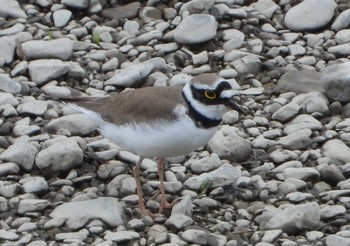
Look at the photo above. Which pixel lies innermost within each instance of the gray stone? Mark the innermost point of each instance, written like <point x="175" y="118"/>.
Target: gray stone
<point x="332" y="240"/>
<point x="222" y="176"/>
<point x="20" y="153"/>
<point x="221" y="144"/>
<point x="76" y="124"/>
<point x="195" y="236"/>
<point x="32" y="205"/>
<point x="302" y="173"/>
<point x="22" y="128"/>
<point x="61" y="156"/>
<point x="337" y="150"/>
<point x="310" y="15"/>
<point x="330" y="212"/>
<point x="342" y="21"/>
<point x="121" y="185"/>
<point x="286" y="112"/>
<point x="106" y="209"/>
<point x="61" y="48"/>
<point x="8" y="235"/>
<point x="295" y="218"/>
<point x="266" y="7"/>
<point x="297" y="140"/>
<point x="336" y="81"/>
<point x="7" y="49"/>
<point x="130" y="76"/>
<point x="303" y="121"/>
<point x="206" y="164"/>
<point x="11" y="9"/>
<point x="196" y="28"/>
<point x="11" y="190"/>
<point x="299" y="82"/>
<point x="43" y="70"/>
<point x="121" y="236"/>
<point x="9" y="85"/>
<point x="8" y="98"/>
<point x="127" y="11"/>
<point x="342" y="37"/>
<point x="61" y="17"/>
<point x="8" y="168"/>
<point x="20" y="69"/>
<point x="81" y="4"/>
<point x="37" y="185"/>
<point x="36" y="107"/>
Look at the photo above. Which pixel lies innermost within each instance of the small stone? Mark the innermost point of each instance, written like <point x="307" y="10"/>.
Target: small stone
<point x="206" y="164"/>
<point x="303" y="173"/>
<point x="8" y="235"/>
<point x="121" y="236"/>
<point x="8" y="168"/>
<point x="9" y="85"/>
<point x="7" y="48"/>
<point x="37" y="185"/>
<point x="337" y="150"/>
<point x="36" y="107"/>
<point x="12" y="9"/>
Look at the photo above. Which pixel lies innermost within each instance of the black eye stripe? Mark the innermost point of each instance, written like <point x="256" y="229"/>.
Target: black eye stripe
<point x="224" y="85"/>
<point x="199" y="94"/>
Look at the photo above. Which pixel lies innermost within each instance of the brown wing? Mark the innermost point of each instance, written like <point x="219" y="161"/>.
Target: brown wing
<point x="146" y="105"/>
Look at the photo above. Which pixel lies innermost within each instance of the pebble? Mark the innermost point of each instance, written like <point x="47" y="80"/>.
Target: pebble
<point x="337" y="150"/>
<point x="206" y="164"/>
<point x="195" y="236"/>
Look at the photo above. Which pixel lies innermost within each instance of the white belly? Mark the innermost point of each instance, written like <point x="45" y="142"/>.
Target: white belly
<point x="166" y="140"/>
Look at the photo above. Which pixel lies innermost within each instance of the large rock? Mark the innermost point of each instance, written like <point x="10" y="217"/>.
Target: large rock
<point x="195" y="29"/>
<point x="310" y="15"/>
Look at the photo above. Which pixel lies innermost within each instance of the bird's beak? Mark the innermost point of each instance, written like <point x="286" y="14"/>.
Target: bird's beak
<point x="233" y="105"/>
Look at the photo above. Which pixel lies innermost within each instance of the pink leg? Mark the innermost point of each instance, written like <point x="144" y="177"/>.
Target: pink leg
<point x="164" y="203"/>
<point x="142" y="207"/>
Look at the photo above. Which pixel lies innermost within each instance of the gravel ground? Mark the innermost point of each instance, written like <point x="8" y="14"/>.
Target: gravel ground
<point x="277" y="175"/>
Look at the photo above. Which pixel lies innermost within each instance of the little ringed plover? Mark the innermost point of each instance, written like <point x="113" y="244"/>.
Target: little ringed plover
<point x="161" y="122"/>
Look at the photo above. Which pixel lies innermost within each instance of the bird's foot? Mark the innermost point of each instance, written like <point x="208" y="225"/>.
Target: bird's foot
<point x="164" y="204"/>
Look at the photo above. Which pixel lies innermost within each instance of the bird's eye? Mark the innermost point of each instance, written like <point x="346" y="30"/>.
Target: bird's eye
<point x="210" y="94"/>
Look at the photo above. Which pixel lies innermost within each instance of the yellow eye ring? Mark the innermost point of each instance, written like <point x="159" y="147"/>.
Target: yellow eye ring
<point x="210" y="94"/>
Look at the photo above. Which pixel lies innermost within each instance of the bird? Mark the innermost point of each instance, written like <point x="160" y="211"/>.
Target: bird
<point x="161" y="121"/>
